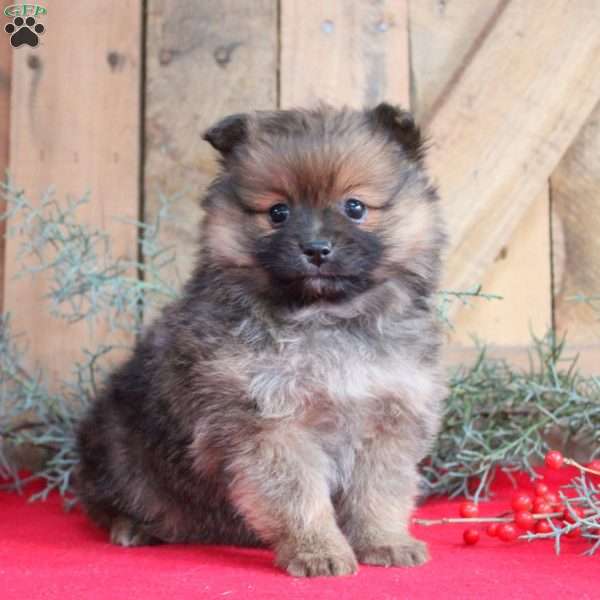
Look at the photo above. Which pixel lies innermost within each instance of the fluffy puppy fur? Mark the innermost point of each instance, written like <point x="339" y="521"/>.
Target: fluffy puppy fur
<point x="286" y="398"/>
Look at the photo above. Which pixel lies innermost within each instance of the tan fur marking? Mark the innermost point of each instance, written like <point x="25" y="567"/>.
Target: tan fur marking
<point x="224" y="238"/>
<point x="356" y="163"/>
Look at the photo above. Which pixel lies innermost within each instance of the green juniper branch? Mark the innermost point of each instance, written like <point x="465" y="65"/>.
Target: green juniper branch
<point x="481" y="433"/>
<point x="447" y="299"/>
<point x="87" y="280"/>
<point x="87" y="283"/>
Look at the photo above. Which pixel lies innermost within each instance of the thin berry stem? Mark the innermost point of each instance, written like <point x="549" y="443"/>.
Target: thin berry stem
<point x="499" y="519"/>
<point x="574" y="463"/>
<point x="452" y="520"/>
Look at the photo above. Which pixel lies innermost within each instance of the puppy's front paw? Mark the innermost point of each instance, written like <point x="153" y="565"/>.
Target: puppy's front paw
<point x="317" y="559"/>
<point x="409" y="553"/>
<point x="317" y="564"/>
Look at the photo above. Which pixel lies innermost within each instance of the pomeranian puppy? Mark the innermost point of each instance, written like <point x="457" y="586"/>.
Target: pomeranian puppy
<point x="287" y="397"/>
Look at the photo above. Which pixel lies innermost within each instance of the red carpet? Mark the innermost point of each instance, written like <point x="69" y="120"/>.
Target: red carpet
<point x="47" y="554"/>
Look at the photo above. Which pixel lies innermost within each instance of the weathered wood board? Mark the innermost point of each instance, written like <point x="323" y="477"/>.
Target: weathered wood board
<point x="444" y="38"/>
<point x="576" y="214"/>
<point x="501" y="130"/>
<point x="75" y="118"/>
<point x="344" y="53"/>
<point x="204" y="60"/>
<point x="520" y="274"/>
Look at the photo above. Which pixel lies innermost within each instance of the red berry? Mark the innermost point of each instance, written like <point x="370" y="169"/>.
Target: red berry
<point x="492" y="529"/>
<point x="569" y="518"/>
<point x="554" y="459"/>
<point x="470" y="536"/>
<point x="541" y="507"/>
<point x="524" y="519"/>
<point x="543" y="527"/>
<point x="541" y="489"/>
<point x="468" y="510"/>
<point x="521" y="501"/>
<point x="551" y="498"/>
<point x="507" y="532"/>
<point x="574" y="533"/>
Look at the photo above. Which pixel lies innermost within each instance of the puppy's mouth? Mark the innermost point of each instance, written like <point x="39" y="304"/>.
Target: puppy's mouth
<point x="325" y="271"/>
<point x="328" y="283"/>
<point x="322" y="276"/>
<point x="324" y="286"/>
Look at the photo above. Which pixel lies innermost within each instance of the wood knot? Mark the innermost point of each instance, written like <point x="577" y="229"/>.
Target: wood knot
<point x="222" y="54"/>
<point x="115" y="60"/>
<point x="34" y="62"/>
<point x="165" y="56"/>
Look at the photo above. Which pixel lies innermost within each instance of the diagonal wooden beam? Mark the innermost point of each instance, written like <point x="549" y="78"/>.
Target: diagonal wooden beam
<point x="507" y="121"/>
<point x="443" y="41"/>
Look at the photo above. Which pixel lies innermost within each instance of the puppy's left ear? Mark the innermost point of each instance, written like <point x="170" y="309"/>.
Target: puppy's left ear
<point x="399" y="125"/>
<point x="227" y="134"/>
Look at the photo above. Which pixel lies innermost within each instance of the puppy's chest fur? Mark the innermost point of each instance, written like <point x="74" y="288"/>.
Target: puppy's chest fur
<point x="344" y="387"/>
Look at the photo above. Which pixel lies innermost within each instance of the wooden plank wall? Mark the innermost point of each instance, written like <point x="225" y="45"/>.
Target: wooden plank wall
<point x="505" y="90"/>
<point x="498" y="133"/>
<point x="75" y="119"/>
<point x="494" y="145"/>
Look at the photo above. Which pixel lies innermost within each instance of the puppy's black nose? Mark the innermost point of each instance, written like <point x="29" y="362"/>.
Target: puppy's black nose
<point x="317" y="251"/>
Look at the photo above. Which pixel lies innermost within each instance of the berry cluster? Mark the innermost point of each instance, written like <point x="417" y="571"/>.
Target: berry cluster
<point x="541" y="514"/>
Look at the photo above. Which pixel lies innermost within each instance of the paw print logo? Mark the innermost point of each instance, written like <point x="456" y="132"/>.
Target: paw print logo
<point x="24" y="31"/>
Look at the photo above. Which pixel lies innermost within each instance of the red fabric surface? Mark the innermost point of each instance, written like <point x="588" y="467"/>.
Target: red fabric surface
<point x="46" y="553"/>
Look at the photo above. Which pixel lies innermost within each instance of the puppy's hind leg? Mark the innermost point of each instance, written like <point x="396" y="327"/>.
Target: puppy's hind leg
<point x="280" y="487"/>
<point x="125" y="531"/>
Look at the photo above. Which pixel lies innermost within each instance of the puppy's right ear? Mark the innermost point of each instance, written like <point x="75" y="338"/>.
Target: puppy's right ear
<point x="228" y="133"/>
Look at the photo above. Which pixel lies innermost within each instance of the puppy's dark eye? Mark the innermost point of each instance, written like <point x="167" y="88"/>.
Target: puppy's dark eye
<point x="355" y="209"/>
<point x="279" y="213"/>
